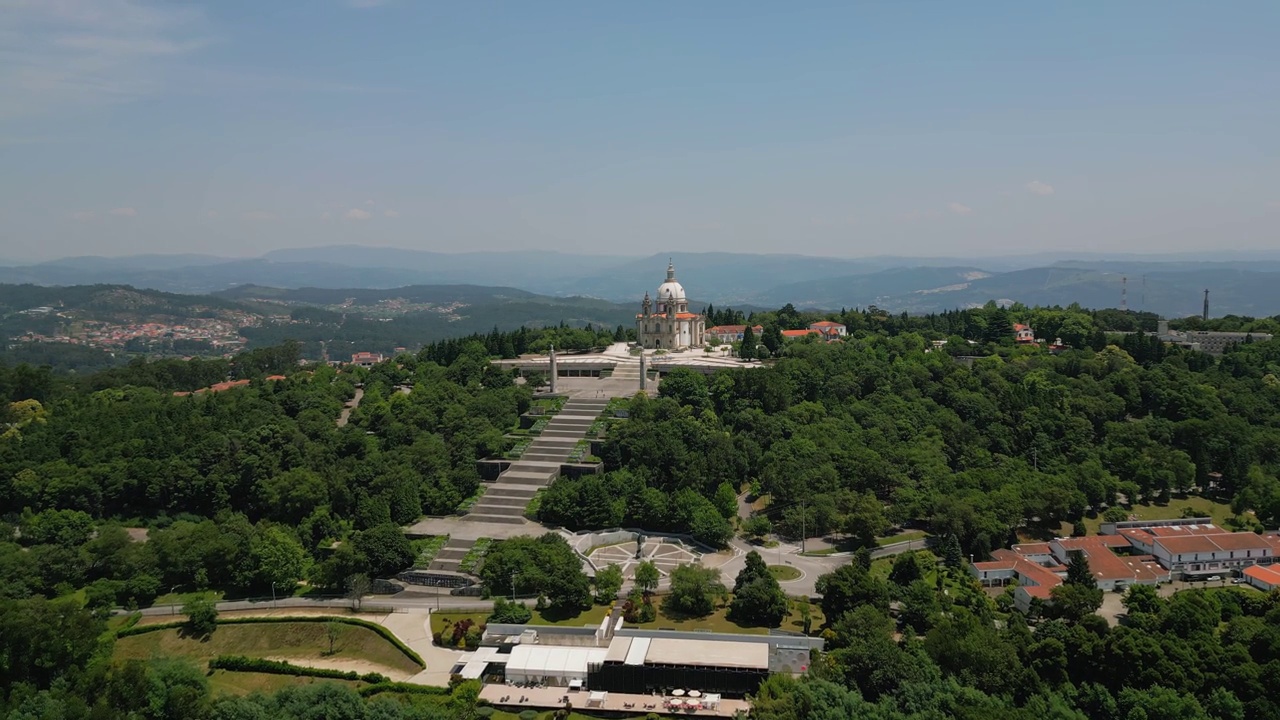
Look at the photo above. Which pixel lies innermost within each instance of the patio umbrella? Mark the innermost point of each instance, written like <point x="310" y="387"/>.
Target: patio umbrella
<point x="677" y="692"/>
<point x="694" y="694"/>
<point x="675" y="702"/>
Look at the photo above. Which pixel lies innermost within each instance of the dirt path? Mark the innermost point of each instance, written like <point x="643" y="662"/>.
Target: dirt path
<point x="360" y="666"/>
<point x="352" y="404"/>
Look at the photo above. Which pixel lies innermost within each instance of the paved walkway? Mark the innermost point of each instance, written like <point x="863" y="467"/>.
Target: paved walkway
<point x="414" y="630"/>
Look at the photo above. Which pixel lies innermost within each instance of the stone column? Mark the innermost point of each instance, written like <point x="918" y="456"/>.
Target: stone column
<point x="554" y="371"/>
<point x="644" y="372"/>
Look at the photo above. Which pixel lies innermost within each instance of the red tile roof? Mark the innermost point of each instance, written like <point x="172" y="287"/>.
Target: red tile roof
<point x="1032" y="549"/>
<point x="276" y="377"/>
<point x="734" y="329"/>
<point x="826" y="324"/>
<point x="1266" y="574"/>
<point x="798" y="333"/>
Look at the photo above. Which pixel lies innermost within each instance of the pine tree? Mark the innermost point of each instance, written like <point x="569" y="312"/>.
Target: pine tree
<point x="748" y="349"/>
<point x="1078" y="572"/>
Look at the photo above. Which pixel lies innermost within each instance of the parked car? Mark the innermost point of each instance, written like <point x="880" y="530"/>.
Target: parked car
<point x="1213" y="578"/>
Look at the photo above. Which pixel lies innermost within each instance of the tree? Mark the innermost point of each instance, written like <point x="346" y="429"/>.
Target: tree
<point x="849" y="587"/>
<point x="726" y="500"/>
<point x="919" y="606"/>
<point x="1074" y="602"/>
<point x="694" y="591"/>
<point x="608" y="582"/>
<point x="202" y="615"/>
<point x="707" y="525"/>
<point x="1078" y="572"/>
<point x="865" y="520"/>
<point x="906" y="569"/>
<point x="747" y="350"/>
<point x="358" y="586"/>
<point x="385" y="548"/>
<point x="757" y="526"/>
<point x="771" y="338"/>
<point x="1143" y="599"/>
<point x="1115" y="514"/>
<point x="754" y="567"/>
<point x="506" y="611"/>
<point x="278" y="557"/>
<point x="951" y="554"/>
<point x="647" y="576"/>
<point x="545" y="566"/>
<point x="759" y="602"/>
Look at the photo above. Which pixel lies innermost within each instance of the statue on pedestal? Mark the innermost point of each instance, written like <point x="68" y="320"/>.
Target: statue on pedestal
<point x="639" y="545"/>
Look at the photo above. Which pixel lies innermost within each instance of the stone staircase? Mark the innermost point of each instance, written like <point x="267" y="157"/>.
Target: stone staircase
<point x="449" y="557"/>
<point x="627" y="372"/>
<point x="506" y="498"/>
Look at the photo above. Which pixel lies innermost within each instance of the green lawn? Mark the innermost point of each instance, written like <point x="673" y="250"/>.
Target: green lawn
<point x="473" y="557"/>
<point x="784" y="572"/>
<point x="288" y="640"/>
<point x="182" y="597"/>
<point x="445" y="619"/>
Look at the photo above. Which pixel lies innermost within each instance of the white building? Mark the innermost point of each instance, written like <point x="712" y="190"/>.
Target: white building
<point x="668" y="324"/>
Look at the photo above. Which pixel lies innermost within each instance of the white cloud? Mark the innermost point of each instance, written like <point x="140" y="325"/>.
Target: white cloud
<point x="357" y="214"/>
<point x="368" y="203"/>
<point x="390" y="213"/>
<point x="1038" y="188"/>
<point x="259" y="215"/>
<point x="89" y="51"/>
<point x="83" y="215"/>
<point x="124" y="212"/>
<point x="959" y="209"/>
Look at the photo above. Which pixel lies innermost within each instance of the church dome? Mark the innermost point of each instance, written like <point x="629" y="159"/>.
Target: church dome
<point x="671" y="291"/>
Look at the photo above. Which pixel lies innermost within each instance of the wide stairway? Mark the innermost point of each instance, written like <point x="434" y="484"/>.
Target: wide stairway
<point x="506" y="498"/>
<point x="629" y="371"/>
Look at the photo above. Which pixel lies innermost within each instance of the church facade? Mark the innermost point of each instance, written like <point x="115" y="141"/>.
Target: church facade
<point x="666" y="323"/>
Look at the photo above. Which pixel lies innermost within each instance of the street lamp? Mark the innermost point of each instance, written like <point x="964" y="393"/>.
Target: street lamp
<point x="173" y="606"/>
<point x="513" y="586"/>
<point x="273" y="594"/>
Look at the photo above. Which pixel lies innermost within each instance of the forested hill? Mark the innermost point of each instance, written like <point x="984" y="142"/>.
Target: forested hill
<point x="257" y="487"/>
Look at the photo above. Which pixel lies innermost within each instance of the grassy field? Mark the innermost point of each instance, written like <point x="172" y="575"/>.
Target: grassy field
<point x="784" y="572"/>
<point x="295" y="641"/>
<point x="243" y="683"/>
<point x="592" y="617"/>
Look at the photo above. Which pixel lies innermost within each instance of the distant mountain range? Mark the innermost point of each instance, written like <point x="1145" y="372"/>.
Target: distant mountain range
<point x="1172" y="285"/>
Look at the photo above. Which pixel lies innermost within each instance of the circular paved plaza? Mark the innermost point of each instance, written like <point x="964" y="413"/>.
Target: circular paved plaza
<point x="665" y="556"/>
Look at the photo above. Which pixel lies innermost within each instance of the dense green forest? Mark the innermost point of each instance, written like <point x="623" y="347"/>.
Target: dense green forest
<point x="259" y="486"/>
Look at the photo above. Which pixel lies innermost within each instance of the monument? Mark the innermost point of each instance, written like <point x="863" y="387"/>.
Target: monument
<point x="554" y="371"/>
<point x="669" y="325"/>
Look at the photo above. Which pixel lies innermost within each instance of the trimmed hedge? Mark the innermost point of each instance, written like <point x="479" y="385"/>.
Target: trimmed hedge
<point x="384" y="633"/>
<point x="400" y="687"/>
<point x="240" y="663"/>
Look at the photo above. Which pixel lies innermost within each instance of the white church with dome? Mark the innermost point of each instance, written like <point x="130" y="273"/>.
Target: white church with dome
<point x="666" y="323"/>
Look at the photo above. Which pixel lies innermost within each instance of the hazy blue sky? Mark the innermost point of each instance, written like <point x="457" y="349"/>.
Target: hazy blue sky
<point x="843" y="128"/>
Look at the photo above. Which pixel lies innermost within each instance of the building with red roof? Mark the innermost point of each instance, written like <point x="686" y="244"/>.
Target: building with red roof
<point x="1023" y="334"/>
<point x="667" y="323"/>
<point x="828" y="329"/>
<point x="1263" y="577"/>
<point x="366" y="359"/>
<point x="733" y="333"/>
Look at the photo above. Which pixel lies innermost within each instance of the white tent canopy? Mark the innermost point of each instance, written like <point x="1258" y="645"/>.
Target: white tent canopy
<point x="597" y="697"/>
<point x="552" y="664"/>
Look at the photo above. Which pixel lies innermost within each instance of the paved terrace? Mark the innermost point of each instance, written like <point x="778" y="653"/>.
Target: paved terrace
<point x="550" y="698"/>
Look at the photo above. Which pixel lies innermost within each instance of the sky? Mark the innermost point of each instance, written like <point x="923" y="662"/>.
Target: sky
<point x="828" y="128"/>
